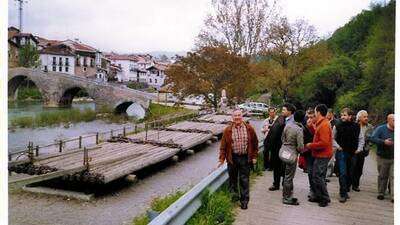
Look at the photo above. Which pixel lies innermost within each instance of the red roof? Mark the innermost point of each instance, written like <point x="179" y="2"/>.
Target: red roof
<point x="114" y="56"/>
<point x="79" y="46"/>
<point x="60" y="49"/>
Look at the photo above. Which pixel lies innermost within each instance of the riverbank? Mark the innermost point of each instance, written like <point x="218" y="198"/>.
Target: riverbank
<point x="74" y="115"/>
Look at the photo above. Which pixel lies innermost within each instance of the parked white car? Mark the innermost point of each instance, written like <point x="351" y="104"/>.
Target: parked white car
<point x="254" y="107"/>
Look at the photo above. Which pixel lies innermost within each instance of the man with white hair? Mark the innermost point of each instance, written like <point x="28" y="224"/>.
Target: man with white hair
<point x="239" y="147"/>
<point x="383" y="137"/>
<point x="359" y="157"/>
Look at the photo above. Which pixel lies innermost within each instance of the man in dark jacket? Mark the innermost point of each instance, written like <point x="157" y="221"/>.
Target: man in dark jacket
<point x="239" y="147"/>
<point x="274" y="143"/>
<point x="347" y="140"/>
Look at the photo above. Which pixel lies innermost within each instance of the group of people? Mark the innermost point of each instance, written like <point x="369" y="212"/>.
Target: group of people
<point x="314" y="140"/>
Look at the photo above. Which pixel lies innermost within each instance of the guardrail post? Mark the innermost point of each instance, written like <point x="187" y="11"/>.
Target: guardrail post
<point x="37" y="150"/>
<point x="60" y="145"/>
<point x="80" y="141"/>
<point x="97" y="138"/>
<point x="30" y="151"/>
<point x="86" y="157"/>
<point x="146" y="128"/>
<point x="124" y="132"/>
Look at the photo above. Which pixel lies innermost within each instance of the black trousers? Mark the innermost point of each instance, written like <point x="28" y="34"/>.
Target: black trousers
<point x="267" y="163"/>
<point x="319" y="174"/>
<point x="239" y="173"/>
<point x="358" y="165"/>
<point x="278" y="166"/>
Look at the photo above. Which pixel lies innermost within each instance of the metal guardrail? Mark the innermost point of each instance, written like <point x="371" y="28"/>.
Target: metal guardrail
<point x="183" y="209"/>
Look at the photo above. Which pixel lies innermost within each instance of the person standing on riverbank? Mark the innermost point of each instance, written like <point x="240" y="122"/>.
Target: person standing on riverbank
<point x="239" y="147"/>
<point x="383" y="137"/>
<point x="321" y="150"/>
<point x="347" y="140"/>
<point x="292" y="144"/>
<point x="366" y="130"/>
<point x="265" y="129"/>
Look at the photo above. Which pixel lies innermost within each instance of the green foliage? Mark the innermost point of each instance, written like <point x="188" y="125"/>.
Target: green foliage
<point x="324" y="84"/>
<point x="55" y="117"/>
<point x="28" y="56"/>
<point x="159" y="205"/>
<point x="216" y="208"/>
<point x="29" y="93"/>
<point x="361" y="76"/>
<point x="158" y="111"/>
<point x="137" y="85"/>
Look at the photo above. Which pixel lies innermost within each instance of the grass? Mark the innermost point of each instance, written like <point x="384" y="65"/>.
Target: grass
<point x="29" y="93"/>
<point x="56" y="117"/>
<point x="158" y="205"/>
<point x="158" y="111"/>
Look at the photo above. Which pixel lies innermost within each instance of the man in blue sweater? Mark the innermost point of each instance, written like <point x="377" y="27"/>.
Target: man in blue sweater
<point x="383" y="137"/>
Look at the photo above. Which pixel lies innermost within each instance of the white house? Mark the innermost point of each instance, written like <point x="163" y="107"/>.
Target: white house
<point x="58" y="58"/>
<point x="156" y="75"/>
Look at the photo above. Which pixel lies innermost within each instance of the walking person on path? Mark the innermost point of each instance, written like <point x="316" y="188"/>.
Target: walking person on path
<point x="272" y="117"/>
<point x="274" y="142"/>
<point x="321" y="150"/>
<point x="366" y="130"/>
<point x="383" y="137"/>
<point x="347" y="140"/>
<point x="308" y="136"/>
<point x="292" y="143"/>
<point x="239" y="147"/>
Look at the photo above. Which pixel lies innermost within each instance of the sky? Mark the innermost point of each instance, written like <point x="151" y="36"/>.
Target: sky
<point x="127" y="26"/>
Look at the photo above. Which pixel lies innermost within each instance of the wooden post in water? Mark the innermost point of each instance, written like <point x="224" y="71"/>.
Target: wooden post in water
<point x="80" y="142"/>
<point x="124" y="132"/>
<point x="97" y="138"/>
<point x="37" y="150"/>
<point x="30" y="151"/>
<point x="135" y="128"/>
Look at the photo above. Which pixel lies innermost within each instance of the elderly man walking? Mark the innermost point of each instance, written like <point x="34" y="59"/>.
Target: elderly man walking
<point x="383" y="137"/>
<point x="366" y="130"/>
<point x="239" y="147"/>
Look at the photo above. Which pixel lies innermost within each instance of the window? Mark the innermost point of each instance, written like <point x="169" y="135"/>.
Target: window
<point x="60" y="61"/>
<point x="66" y="61"/>
<point x="155" y="81"/>
<point x="60" y="69"/>
<point x="84" y="61"/>
<point x="45" y="68"/>
<point x="54" y="61"/>
<point x="66" y="69"/>
<point x="54" y="68"/>
<point x="91" y="62"/>
<point x="150" y="80"/>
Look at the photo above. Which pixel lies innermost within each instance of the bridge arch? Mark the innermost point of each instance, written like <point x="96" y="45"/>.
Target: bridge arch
<point x="15" y="82"/>
<point x="69" y="93"/>
<point x="131" y="109"/>
<point x="122" y="107"/>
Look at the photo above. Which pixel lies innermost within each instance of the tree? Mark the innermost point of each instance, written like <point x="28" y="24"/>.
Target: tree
<point x="290" y="50"/>
<point x="239" y="25"/>
<point x="28" y="56"/>
<point x="208" y="71"/>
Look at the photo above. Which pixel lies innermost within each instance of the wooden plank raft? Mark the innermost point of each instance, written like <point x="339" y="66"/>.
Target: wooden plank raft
<point x="107" y="162"/>
<point x="184" y="139"/>
<point x="214" y="128"/>
<point x="215" y="118"/>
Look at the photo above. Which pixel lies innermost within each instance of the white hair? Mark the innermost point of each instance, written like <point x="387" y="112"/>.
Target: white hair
<point x="360" y="113"/>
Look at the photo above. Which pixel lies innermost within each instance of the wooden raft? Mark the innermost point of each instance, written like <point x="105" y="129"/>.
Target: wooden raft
<point x="213" y="118"/>
<point x="184" y="139"/>
<point x="107" y="162"/>
<point x="214" y="128"/>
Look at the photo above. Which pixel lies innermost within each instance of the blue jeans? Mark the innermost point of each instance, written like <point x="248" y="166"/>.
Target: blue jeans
<point x="345" y="165"/>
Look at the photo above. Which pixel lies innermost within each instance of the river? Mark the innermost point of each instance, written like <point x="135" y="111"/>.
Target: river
<point x="19" y="138"/>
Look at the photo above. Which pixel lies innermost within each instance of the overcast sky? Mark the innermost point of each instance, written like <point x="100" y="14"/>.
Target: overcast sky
<point x="155" y="25"/>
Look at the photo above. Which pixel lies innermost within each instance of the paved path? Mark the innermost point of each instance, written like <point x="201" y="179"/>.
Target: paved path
<point x="265" y="207"/>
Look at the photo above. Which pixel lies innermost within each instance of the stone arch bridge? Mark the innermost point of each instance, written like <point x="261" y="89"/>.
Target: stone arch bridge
<point x="58" y="89"/>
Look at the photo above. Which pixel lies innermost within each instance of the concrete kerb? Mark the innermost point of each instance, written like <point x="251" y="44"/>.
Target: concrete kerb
<point x="59" y="192"/>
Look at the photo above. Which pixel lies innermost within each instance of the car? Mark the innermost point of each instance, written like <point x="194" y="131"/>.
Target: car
<point x="256" y="107"/>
